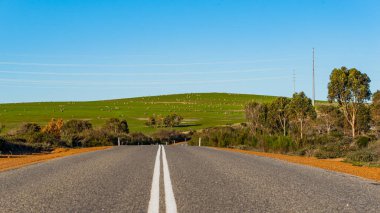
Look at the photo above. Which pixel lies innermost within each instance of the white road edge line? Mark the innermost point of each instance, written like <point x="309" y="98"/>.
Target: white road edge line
<point x="171" y="206"/>
<point x="154" y="202"/>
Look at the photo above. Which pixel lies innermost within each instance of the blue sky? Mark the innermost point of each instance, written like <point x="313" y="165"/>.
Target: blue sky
<point x="95" y="49"/>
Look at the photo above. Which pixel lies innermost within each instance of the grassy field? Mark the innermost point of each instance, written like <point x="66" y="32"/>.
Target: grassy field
<point x="199" y="110"/>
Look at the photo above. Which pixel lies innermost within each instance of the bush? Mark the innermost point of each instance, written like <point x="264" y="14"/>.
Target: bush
<point x="9" y="147"/>
<point x="331" y="150"/>
<point x="137" y="138"/>
<point x="116" y="126"/>
<point x="92" y="138"/>
<point x="243" y="138"/>
<point x="171" y="120"/>
<point x="163" y="136"/>
<point x="28" y="128"/>
<point x="323" y="139"/>
<point x="71" y="132"/>
<point x="362" y="142"/>
<point x="282" y="144"/>
<point x="363" y="155"/>
<point x="75" y="127"/>
<point x="307" y="151"/>
<point x="53" y="127"/>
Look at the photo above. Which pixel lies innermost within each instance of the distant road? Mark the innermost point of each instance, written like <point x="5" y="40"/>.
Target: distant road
<point x="188" y="179"/>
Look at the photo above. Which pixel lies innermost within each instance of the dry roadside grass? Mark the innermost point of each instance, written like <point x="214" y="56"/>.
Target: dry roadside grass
<point x="333" y="165"/>
<point x="16" y="161"/>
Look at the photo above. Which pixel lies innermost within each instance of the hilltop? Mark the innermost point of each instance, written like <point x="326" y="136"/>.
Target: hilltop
<point x="200" y="110"/>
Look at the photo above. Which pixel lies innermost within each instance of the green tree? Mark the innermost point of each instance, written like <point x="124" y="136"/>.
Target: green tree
<point x="116" y="126"/>
<point x="300" y="110"/>
<point x="363" y="121"/>
<point x="278" y="114"/>
<point x="151" y="122"/>
<point x="256" y="115"/>
<point x="350" y="88"/>
<point x="252" y="114"/>
<point x="375" y="110"/>
<point x="330" y="117"/>
<point x="172" y="120"/>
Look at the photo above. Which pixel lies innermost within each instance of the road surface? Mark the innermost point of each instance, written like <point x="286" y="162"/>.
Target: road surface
<point x="183" y="179"/>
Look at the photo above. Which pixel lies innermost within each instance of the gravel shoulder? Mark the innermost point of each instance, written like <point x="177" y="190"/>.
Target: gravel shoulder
<point x="16" y="161"/>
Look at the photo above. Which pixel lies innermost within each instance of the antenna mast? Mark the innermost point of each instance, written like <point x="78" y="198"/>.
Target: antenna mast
<point x="313" y="81"/>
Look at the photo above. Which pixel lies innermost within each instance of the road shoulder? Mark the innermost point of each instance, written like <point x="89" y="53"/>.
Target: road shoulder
<point x="17" y="161"/>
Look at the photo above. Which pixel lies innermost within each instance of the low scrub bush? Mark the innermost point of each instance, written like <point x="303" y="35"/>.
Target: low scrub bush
<point x="97" y="137"/>
<point x="363" y="141"/>
<point x="116" y="126"/>
<point x="170" y="136"/>
<point x="13" y="147"/>
<point x="243" y="138"/>
<point x="136" y="138"/>
<point x="363" y="155"/>
<point x="224" y="137"/>
<point x="332" y="150"/>
<point x="282" y="144"/>
<point x="28" y="128"/>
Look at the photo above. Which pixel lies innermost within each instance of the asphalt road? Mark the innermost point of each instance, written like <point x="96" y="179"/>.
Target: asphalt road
<point x="195" y="179"/>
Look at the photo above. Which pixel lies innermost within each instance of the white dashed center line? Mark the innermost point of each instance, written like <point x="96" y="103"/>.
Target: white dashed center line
<point x="154" y="203"/>
<point x="171" y="206"/>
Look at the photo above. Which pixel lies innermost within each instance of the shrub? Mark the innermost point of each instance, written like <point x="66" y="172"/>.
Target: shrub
<point x="75" y="127"/>
<point x="137" y="138"/>
<point x="363" y="155"/>
<point x="331" y="150"/>
<point x="98" y="137"/>
<point x="163" y="136"/>
<point x="45" y="138"/>
<point x="116" y="126"/>
<point x="72" y="130"/>
<point x="171" y="120"/>
<point x="307" y="151"/>
<point x="362" y="142"/>
<point x="151" y="121"/>
<point x="282" y="144"/>
<point x="323" y="139"/>
<point x="53" y="127"/>
<point x="28" y="128"/>
<point x="13" y="147"/>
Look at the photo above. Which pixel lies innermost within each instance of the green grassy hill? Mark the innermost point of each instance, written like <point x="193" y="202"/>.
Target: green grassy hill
<point x="199" y="110"/>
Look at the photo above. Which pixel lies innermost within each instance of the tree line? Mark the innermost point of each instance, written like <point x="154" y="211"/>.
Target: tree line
<point x="159" y="121"/>
<point x="348" y="125"/>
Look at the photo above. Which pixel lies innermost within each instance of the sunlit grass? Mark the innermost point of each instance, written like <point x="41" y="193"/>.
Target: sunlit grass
<point x="199" y="110"/>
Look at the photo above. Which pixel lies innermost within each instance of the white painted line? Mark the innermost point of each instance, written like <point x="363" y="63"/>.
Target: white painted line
<point x="154" y="202"/>
<point x="171" y="206"/>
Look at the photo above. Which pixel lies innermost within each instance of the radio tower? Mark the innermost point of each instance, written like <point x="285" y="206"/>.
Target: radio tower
<point x="313" y="81"/>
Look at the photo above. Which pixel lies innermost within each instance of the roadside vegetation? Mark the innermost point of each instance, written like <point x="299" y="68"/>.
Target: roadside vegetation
<point x="348" y="127"/>
<point x="32" y="138"/>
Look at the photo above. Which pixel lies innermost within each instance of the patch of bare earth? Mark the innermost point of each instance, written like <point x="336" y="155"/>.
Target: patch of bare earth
<point x="16" y="161"/>
<point x="328" y="164"/>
